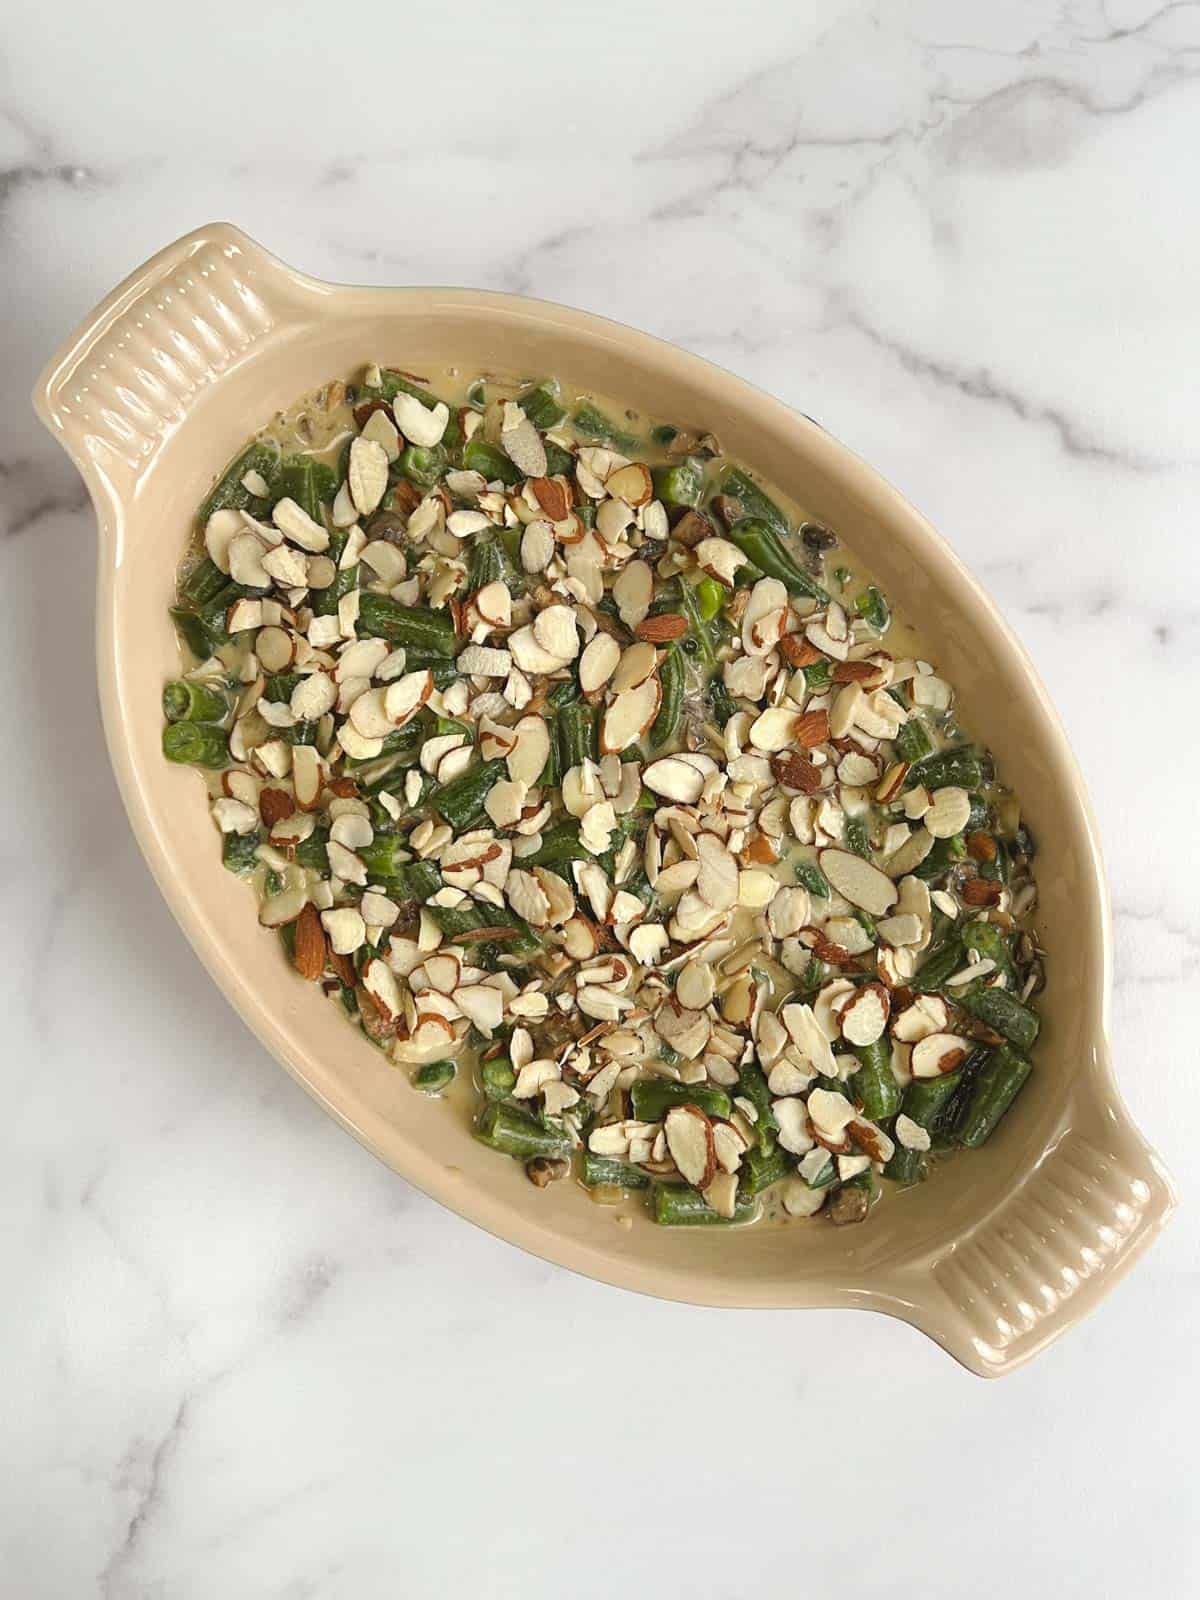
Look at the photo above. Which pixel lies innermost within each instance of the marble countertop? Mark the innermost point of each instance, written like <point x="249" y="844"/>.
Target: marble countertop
<point x="239" y="1357"/>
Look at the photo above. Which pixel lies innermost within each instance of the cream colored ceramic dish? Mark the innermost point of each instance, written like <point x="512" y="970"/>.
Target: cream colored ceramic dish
<point x="150" y="398"/>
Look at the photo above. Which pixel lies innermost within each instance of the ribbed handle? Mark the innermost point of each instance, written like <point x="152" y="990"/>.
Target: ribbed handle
<point x="133" y="371"/>
<point x="1047" y="1254"/>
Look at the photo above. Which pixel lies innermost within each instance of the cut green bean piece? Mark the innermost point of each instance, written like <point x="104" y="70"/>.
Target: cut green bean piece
<point x="195" y="632"/>
<point x="755" y="502"/>
<point x="913" y="742"/>
<point x="542" y="406"/>
<point x="762" y="546"/>
<point x="238" y="851"/>
<point x="809" y="876"/>
<point x="423" y="466"/>
<point x="671" y="677"/>
<point x="752" y="1084"/>
<point x="991" y="943"/>
<point x="416" y="627"/>
<point x="875" y="1083"/>
<point x="962" y="768"/>
<point x="603" y="1170"/>
<point x="676" y="1206"/>
<point x="760" y="1170"/>
<point x="652" y="1098"/>
<point x="185" y="700"/>
<point x="679" y="484"/>
<point x="698" y="628"/>
<point x="480" y="456"/>
<point x="307" y="482"/>
<point x="939" y="965"/>
<point x="202" y="583"/>
<point x="434" y="1076"/>
<point x="1002" y="1012"/>
<point x="593" y="424"/>
<point x="576" y="735"/>
<point x="229" y="492"/>
<point x="195" y="744"/>
<point x="498" y="1078"/>
<point x="1000" y="1081"/>
<point x="873" y="609"/>
<point x="461" y="801"/>
<point x="515" y="1133"/>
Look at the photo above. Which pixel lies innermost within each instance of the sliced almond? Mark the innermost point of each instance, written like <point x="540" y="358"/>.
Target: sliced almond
<point x="275" y="649"/>
<point x="634" y="484"/>
<point x="313" y="696"/>
<point x="717" y="882"/>
<point x="418" y="423"/>
<point x="949" y="811"/>
<point x="859" y="882"/>
<point x="629" y="716"/>
<point x="598" y="662"/>
<point x="405" y="696"/>
<point x="690" y="1141"/>
<point x="310" y="950"/>
<point x="674" y="779"/>
<point x="633" y="592"/>
<point x="529" y="754"/>
<point x="299" y="528"/>
<point x="246" y="561"/>
<point x="219" y="532"/>
<point x="865" y="1015"/>
<point x="937" y="1054"/>
<point x="635" y="666"/>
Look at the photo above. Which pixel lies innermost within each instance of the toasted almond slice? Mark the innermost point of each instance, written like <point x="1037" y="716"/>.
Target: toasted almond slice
<point x="418" y="423"/>
<point x="380" y="428"/>
<point x="648" y="943"/>
<point x="494" y="605"/>
<point x="859" y="882"/>
<point x="246" y="561"/>
<point x="531" y="656"/>
<point x="911" y="1135"/>
<point x="313" y="696"/>
<point x="795" y="1132"/>
<point x="599" y="661"/>
<point x="674" y="779"/>
<point x="480" y="661"/>
<point x="243" y="615"/>
<point x="369" y="716"/>
<point x="275" y="649"/>
<point x="556" y="632"/>
<point x="234" y="816"/>
<point x="719" y="559"/>
<point x="633" y="484"/>
<point x="774" y="730"/>
<point x="537" y="546"/>
<point x="386" y="560"/>
<point x="521" y="442"/>
<point x="948" y="813"/>
<point x="219" y="532"/>
<point x="694" y="985"/>
<point x="864" y="1017"/>
<point x="279" y="909"/>
<point x="368" y="473"/>
<point x="405" y="696"/>
<point x="299" y="528"/>
<point x="633" y="592"/>
<point x="629" y="716"/>
<point x="483" y="1005"/>
<point x="528" y="757"/>
<point x="690" y="1141"/>
<point x="527" y="897"/>
<point x="307" y="776"/>
<point x="352" y="829"/>
<point x="937" y="1054"/>
<point x="358" y="745"/>
<point x="380" y="983"/>
<point x="830" y="1113"/>
<point x="635" y="666"/>
<point x="717" y="882"/>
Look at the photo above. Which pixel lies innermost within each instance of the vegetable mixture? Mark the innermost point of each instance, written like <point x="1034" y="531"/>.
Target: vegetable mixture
<point x="589" y="785"/>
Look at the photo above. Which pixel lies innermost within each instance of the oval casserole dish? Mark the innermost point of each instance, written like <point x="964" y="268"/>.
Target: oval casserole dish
<point x="997" y="1256"/>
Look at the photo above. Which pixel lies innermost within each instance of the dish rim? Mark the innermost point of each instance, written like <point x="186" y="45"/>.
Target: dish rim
<point x="112" y="489"/>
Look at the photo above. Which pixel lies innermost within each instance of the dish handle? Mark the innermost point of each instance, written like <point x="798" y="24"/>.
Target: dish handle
<point x="1055" y="1245"/>
<point x="134" y="369"/>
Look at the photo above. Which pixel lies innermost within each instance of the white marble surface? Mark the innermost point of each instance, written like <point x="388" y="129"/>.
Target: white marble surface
<point x="238" y="1357"/>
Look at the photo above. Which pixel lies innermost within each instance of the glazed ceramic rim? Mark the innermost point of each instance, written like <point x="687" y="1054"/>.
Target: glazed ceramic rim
<point x="111" y="481"/>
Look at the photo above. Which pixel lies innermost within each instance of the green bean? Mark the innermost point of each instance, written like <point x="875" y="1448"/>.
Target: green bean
<point x="698" y="629"/>
<point x="195" y="744"/>
<point x="874" y="609"/>
<point x="498" y="1078"/>
<point x="944" y="855"/>
<point x="913" y="741"/>
<point x="185" y="700"/>
<point x="652" y="1098"/>
<point x="755" y="504"/>
<point x="423" y="466"/>
<point x="875" y="1083"/>
<point x="461" y="801"/>
<point x="515" y="1133"/>
<point x="202" y="583"/>
<point x="576" y="735"/>
<point x="559" y="462"/>
<point x="591" y="422"/>
<point x="541" y="405"/>
<point x="762" y="546"/>
<point x="711" y="598"/>
<point x="560" y="846"/>
<point x="480" y="456"/>
<point x="938" y="965"/>
<point x="823" y="1177"/>
<point x="380" y="856"/>
<point x="858" y="838"/>
<point x="677" y="1206"/>
<point x="307" y="482"/>
<point x="415" y="627"/>
<point x="671" y="676"/>
<point x="312" y="852"/>
<point x="752" y="1084"/>
<point x="999" y="1082"/>
<point x="324" y="602"/>
<point x="680" y="483"/>
<point x="720" y="701"/>
<point x="195" y="632"/>
<point x="603" y="1170"/>
<point x="391" y="383"/>
<point x="238" y="850"/>
<point x="434" y="1076"/>
<point x="229" y="492"/>
<point x="761" y="1169"/>
<point x="991" y="943"/>
<point x="809" y="876"/>
<point x="961" y="767"/>
<point x="998" y="1010"/>
<point x="817" y="676"/>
